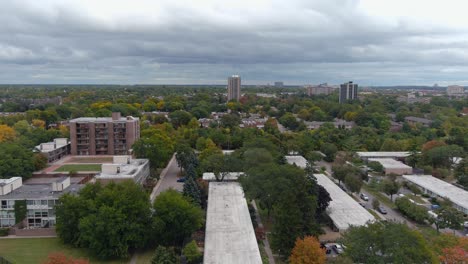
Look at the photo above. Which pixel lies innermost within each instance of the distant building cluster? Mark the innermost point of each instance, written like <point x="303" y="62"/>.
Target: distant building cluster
<point x="321" y="89"/>
<point x="348" y="92"/>
<point x="279" y="84"/>
<point x="234" y="87"/>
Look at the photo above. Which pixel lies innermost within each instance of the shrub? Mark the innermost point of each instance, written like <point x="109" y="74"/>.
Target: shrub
<point x="192" y="253"/>
<point x="412" y="211"/>
<point x="4" y="231"/>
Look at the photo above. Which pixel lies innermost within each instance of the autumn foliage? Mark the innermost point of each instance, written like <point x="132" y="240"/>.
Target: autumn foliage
<point x="432" y="144"/>
<point x="6" y="133"/>
<point x="60" y="258"/>
<point x="457" y="253"/>
<point x="307" y="251"/>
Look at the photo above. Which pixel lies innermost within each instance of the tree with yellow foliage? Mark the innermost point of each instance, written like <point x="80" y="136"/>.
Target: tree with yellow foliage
<point x="7" y="133"/>
<point x="307" y="251"/>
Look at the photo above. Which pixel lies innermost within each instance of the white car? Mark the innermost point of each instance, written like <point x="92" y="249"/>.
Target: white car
<point x="364" y="197"/>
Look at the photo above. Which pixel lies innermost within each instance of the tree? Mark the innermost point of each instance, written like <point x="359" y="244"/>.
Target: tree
<point x="323" y="200"/>
<point x="461" y="172"/>
<point x="164" y="255"/>
<point x="15" y="160"/>
<point x="411" y="210"/>
<point x="457" y="253"/>
<point x="192" y="191"/>
<point x="448" y="217"/>
<point x="185" y="156"/>
<point x="176" y="217"/>
<point x="386" y="242"/>
<point x="180" y="118"/>
<point x="307" y="251"/>
<point x="375" y="204"/>
<point x="192" y="253"/>
<point x="443" y="156"/>
<point x="7" y="133"/>
<point x="60" y="258"/>
<point x="40" y="161"/>
<point x="221" y="165"/>
<point x="390" y="187"/>
<point x="230" y="121"/>
<point x="329" y="150"/>
<point x="375" y="166"/>
<point x="98" y="219"/>
<point x="340" y="172"/>
<point x="353" y="183"/>
<point x="158" y="149"/>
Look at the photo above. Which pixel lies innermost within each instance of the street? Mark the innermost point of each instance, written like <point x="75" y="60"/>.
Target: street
<point x="168" y="180"/>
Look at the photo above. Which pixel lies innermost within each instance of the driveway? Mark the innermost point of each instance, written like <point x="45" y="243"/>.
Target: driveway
<point x="168" y="180"/>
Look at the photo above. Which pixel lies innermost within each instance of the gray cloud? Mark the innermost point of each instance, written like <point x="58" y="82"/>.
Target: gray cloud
<point x="169" y="42"/>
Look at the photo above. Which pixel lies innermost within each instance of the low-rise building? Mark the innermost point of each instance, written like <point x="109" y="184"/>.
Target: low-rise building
<point x="124" y="168"/>
<point x="412" y="120"/>
<point x="398" y="155"/>
<point x="343" y="210"/>
<point x="392" y="166"/>
<point x="55" y="150"/>
<point x="439" y="188"/>
<point x="229" y="235"/>
<point x="338" y="123"/>
<point x="40" y="200"/>
<point x="299" y="161"/>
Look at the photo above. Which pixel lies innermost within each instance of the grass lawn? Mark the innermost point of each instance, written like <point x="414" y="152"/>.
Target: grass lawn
<point x="416" y="198"/>
<point x="91" y="160"/>
<point x="374" y="214"/>
<point x="36" y="250"/>
<point x="79" y="167"/>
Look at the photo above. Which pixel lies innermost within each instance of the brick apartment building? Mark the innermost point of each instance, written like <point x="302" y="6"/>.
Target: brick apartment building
<point x="103" y="135"/>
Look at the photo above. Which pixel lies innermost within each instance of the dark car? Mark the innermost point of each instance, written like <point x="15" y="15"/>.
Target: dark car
<point x="181" y="179"/>
<point x="381" y="210"/>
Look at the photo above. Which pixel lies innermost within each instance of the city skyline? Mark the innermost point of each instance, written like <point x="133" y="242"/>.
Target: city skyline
<point x="373" y="42"/>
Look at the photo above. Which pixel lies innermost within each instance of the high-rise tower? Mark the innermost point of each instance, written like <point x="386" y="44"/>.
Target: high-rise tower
<point x="233" y="89"/>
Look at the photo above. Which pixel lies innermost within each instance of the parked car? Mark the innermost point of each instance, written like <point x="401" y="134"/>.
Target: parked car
<point x="362" y="204"/>
<point x="381" y="210"/>
<point x="181" y="179"/>
<point x="364" y="197"/>
<point x="326" y="247"/>
<point x="465" y="224"/>
<point x="338" y="248"/>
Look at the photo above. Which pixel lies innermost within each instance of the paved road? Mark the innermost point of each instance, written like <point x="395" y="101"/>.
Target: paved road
<point x="266" y="244"/>
<point x="168" y="180"/>
<point x="392" y="215"/>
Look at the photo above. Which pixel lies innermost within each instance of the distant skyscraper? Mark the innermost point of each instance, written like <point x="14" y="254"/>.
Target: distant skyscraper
<point x="348" y="91"/>
<point x="455" y="90"/>
<point x="279" y="84"/>
<point x="234" y="85"/>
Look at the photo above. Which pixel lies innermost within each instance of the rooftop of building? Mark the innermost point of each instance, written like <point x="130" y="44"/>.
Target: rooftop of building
<point x="343" y="209"/>
<point x="51" y="146"/>
<point x="41" y="191"/>
<point x="102" y="119"/>
<point x="299" y="161"/>
<point x="229" y="236"/>
<point x="390" y="163"/>
<point x="121" y="167"/>
<point x="444" y="189"/>
<point x="396" y="154"/>
<point x="418" y="119"/>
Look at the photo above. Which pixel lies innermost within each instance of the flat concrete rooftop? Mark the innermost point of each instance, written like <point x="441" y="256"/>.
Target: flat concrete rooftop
<point x="300" y="161"/>
<point x="230" y="237"/>
<point x="343" y="209"/>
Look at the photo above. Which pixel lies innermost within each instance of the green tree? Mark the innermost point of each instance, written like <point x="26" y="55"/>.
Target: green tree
<point x="448" y="217"/>
<point x="98" y="219"/>
<point x="15" y="160"/>
<point x="353" y="183"/>
<point x="180" y="118"/>
<point x="158" y="149"/>
<point x="176" y="217"/>
<point x="192" y="253"/>
<point x="329" y="150"/>
<point x="411" y="210"/>
<point x="375" y="166"/>
<point x="164" y="255"/>
<point x="461" y="172"/>
<point x="386" y="242"/>
<point x="192" y="191"/>
<point x="221" y="165"/>
<point x="390" y="187"/>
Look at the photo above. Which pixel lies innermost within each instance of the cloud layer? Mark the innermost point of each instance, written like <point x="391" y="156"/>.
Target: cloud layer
<point x="373" y="42"/>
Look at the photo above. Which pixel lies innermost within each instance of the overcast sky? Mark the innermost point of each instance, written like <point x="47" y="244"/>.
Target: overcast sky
<point x="373" y="42"/>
